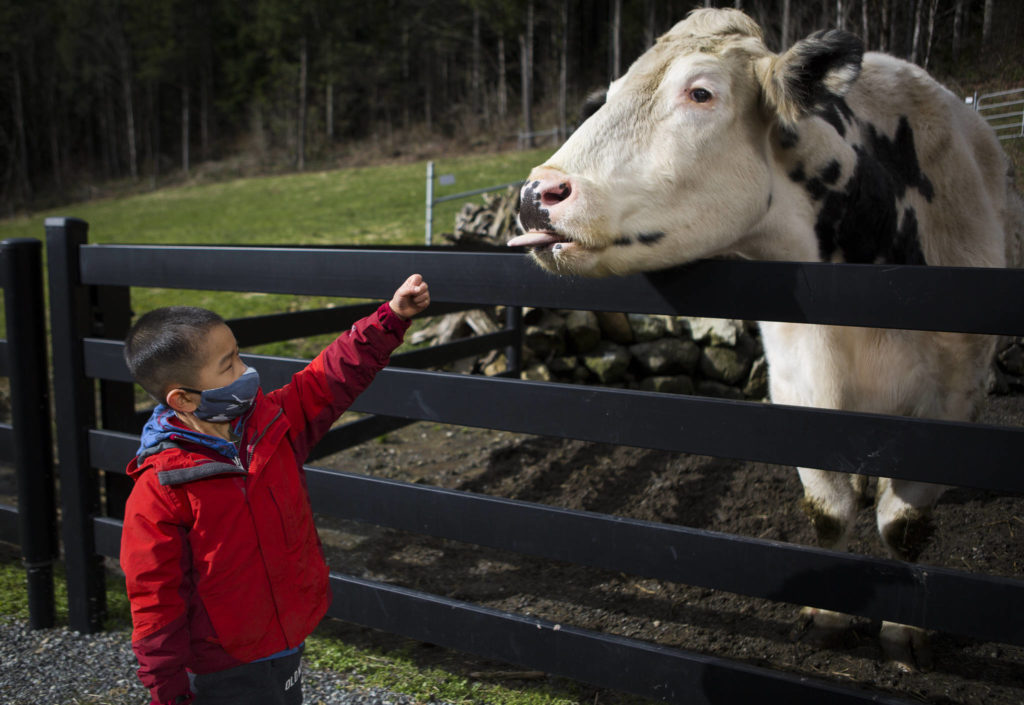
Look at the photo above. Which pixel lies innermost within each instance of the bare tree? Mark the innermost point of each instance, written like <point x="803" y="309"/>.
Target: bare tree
<point x="502" y="82"/>
<point x="563" y="73"/>
<point x="958" y="20"/>
<point x="185" y="117"/>
<point x="649" y="30"/>
<point x="616" y="39"/>
<point x="885" y="29"/>
<point x="915" y="42"/>
<point x="129" y="106"/>
<point x="865" y="26"/>
<point x="786" y="29"/>
<point x="986" y="22"/>
<point x="526" y="72"/>
<point x="840" y="15"/>
<point x="476" y="83"/>
<point x="931" y="32"/>
<point x="300" y="147"/>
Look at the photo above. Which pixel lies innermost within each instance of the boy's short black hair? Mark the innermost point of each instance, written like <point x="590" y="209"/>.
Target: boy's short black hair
<point x="161" y="348"/>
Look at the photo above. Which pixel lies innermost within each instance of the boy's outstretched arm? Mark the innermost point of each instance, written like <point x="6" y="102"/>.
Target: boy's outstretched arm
<point x="411" y="297"/>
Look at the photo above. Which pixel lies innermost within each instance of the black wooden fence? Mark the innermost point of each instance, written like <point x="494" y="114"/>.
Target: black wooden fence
<point x="89" y="287"/>
<point x="26" y="442"/>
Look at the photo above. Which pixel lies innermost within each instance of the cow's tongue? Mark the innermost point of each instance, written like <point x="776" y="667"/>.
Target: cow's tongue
<point x="534" y="239"/>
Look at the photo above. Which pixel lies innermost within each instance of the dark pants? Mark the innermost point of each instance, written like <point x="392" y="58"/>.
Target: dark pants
<point x="274" y="682"/>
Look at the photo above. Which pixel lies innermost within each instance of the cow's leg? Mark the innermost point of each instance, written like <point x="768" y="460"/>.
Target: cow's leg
<point x="831" y="501"/>
<point x="903" y="514"/>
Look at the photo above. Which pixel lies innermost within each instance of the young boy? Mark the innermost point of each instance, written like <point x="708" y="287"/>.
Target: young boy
<point x="223" y="564"/>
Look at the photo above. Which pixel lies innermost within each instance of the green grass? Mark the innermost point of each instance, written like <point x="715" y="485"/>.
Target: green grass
<point x="391" y="668"/>
<point x="381" y="205"/>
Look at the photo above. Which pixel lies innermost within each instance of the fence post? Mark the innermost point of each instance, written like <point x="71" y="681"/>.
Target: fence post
<point x="513" y="353"/>
<point x="24" y="308"/>
<point x="75" y="410"/>
<point x="111" y="318"/>
<point x="430" y="203"/>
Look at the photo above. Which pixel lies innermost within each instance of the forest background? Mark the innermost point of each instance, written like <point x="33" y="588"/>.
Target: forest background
<point x="101" y="96"/>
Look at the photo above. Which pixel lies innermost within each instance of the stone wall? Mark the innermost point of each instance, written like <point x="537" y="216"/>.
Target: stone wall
<point x="705" y="356"/>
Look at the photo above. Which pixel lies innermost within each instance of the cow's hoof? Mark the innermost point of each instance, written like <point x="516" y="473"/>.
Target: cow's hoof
<point x="905" y="647"/>
<point x="824" y="628"/>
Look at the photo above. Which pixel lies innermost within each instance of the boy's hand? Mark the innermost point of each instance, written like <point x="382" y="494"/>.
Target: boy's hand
<point x="411" y="298"/>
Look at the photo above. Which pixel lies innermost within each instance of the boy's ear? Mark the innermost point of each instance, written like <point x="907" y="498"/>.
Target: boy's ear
<point x="178" y="399"/>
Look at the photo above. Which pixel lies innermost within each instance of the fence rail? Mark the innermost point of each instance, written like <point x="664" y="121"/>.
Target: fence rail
<point x="90" y="285"/>
<point x="1004" y="111"/>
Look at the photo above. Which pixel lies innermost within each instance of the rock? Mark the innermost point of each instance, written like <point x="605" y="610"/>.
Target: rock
<point x="727" y="365"/>
<point x="1011" y="360"/>
<point x="564" y="365"/>
<point x="647" y="328"/>
<point x="667" y="356"/>
<point x="547" y="336"/>
<point x="496" y="367"/>
<point x="583" y="330"/>
<point x="536" y="373"/>
<point x="715" y="331"/>
<point x="676" y="326"/>
<point x="674" y="384"/>
<point x="609" y="361"/>
<point x="757" y="382"/>
<point x="615" y="326"/>
<point x="708" y="388"/>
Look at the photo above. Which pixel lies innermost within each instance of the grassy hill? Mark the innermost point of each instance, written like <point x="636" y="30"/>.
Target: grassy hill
<point x="379" y="205"/>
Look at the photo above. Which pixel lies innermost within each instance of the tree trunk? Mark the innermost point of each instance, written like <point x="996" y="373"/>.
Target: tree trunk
<point x="184" y="129"/>
<point x="300" y="147"/>
<point x="616" y="39"/>
<point x="329" y="111"/>
<point x="406" y="75"/>
<point x="840" y="15"/>
<point x="526" y="70"/>
<point x="649" y="26"/>
<point x="204" y="113"/>
<point x="931" y="32"/>
<point x="502" y="80"/>
<point x="885" y="30"/>
<point x="865" y="26"/>
<point x="153" y="101"/>
<point x="476" y="83"/>
<point x="917" y="31"/>
<point x="129" y="111"/>
<point x="986" y="22"/>
<point x="563" y="73"/>
<point x="958" y="20"/>
<point x="18" y="106"/>
<point x="786" y="29"/>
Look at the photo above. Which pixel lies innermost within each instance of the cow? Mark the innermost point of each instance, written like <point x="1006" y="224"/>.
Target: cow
<point x="712" y="145"/>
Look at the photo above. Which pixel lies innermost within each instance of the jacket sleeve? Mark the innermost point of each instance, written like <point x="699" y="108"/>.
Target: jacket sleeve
<point x="156" y="560"/>
<point x="324" y="389"/>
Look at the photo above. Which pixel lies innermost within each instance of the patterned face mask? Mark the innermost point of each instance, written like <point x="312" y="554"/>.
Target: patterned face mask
<point x="227" y="402"/>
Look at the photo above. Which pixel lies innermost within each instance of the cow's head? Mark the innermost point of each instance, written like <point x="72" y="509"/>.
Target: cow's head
<point x="675" y="166"/>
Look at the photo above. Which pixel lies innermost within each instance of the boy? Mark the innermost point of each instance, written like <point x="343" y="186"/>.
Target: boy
<point x="222" y="562"/>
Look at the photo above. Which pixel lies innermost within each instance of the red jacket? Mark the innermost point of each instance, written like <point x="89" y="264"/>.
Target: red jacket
<point x="222" y="561"/>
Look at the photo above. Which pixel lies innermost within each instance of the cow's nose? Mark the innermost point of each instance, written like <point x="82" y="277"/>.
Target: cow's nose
<point x="544" y="191"/>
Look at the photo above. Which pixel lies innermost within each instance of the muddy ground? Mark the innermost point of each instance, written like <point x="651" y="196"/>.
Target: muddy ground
<point x="974" y="530"/>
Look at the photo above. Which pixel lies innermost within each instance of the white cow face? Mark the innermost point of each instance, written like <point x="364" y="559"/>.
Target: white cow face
<point x="675" y="166"/>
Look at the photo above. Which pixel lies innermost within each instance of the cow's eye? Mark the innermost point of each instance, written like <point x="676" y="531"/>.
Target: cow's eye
<point x="700" y="95"/>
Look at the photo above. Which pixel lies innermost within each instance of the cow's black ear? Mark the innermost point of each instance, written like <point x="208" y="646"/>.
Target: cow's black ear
<point x="813" y="74"/>
<point x="595" y="99"/>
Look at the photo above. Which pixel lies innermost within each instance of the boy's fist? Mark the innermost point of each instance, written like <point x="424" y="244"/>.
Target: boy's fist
<point x="411" y="298"/>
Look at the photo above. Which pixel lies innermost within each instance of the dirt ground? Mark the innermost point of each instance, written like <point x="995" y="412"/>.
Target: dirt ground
<point x="974" y="530"/>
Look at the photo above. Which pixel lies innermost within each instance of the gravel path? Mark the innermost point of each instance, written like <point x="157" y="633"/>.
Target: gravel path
<point x="62" y="667"/>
